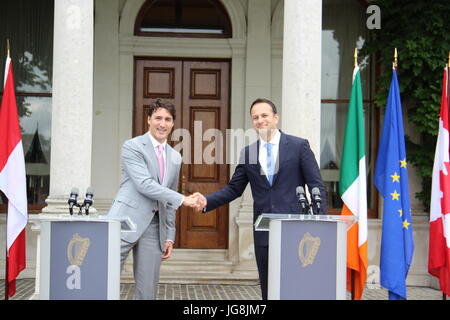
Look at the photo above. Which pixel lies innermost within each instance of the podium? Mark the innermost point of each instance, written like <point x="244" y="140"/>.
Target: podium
<point x="307" y="255"/>
<point x="80" y="257"/>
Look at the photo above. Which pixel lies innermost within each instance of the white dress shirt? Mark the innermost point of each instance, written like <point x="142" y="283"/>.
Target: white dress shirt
<point x="156" y="144"/>
<point x="275" y="141"/>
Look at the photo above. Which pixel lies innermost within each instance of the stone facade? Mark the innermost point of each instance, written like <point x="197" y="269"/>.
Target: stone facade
<point x="93" y="109"/>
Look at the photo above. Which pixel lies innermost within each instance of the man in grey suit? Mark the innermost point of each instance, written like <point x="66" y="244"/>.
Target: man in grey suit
<point x="147" y="196"/>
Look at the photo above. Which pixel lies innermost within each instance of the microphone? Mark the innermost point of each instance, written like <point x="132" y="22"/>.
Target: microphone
<point x="302" y="200"/>
<point x="73" y="199"/>
<point x="316" y="200"/>
<point x="88" y="199"/>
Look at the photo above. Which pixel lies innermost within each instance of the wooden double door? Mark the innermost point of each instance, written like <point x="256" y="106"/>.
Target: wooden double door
<point x="200" y="91"/>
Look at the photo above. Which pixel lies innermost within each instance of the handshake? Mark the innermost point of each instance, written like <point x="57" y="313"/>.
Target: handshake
<point x="196" y="201"/>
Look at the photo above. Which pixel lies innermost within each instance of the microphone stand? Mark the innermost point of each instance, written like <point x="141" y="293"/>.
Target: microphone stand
<point x="84" y="206"/>
<point x="76" y="204"/>
<point x="304" y="207"/>
<point x="315" y="206"/>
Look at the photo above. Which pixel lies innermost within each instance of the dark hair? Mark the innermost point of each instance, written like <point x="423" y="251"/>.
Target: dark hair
<point x="262" y="100"/>
<point x="159" y="104"/>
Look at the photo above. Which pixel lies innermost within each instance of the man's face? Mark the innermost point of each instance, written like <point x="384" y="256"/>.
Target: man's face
<point x="160" y="124"/>
<point x="264" y="120"/>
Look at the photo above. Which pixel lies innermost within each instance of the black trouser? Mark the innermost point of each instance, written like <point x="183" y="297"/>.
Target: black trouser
<point x="262" y="261"/>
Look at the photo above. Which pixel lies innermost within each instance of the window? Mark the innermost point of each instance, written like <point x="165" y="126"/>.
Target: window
<point x="28" y="24"/>
<point x="178" y="18"/>
<point x="343" y="29"/>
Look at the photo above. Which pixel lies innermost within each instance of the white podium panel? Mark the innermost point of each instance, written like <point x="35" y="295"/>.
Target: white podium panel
<point x="79" y="258"/>
<point x="307" y="256"/>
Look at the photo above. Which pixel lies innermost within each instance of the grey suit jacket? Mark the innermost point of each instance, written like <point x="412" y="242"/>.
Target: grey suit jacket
<point x="141" y="193"/>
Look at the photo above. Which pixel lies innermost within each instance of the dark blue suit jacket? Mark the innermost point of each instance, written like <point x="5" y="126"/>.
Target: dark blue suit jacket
<point x="296" y="166"/>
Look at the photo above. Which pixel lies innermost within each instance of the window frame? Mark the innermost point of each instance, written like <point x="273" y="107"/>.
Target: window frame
<point x="228" y="32"/>
<point x="371" y="212"/>
<point x="374" y="72"/>
<point x="32" y="208"/>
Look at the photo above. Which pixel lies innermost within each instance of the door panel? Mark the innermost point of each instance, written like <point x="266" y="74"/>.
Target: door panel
<point x="155" y="79"/>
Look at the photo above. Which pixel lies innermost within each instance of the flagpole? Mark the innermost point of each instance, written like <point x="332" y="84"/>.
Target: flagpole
<point x="448" y="82"/>
<point x="352" y="273"/>
<point x="6" y="270"/>
<point x="444" y="296"/>
<point x="395" y="63"/>
<point x="6" y="247"/>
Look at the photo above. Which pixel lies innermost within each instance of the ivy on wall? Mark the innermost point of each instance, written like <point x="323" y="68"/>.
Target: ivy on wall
<point x="420" y="30"/>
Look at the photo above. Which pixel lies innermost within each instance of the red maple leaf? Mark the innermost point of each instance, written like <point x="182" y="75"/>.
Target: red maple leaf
<point x="445" y="188"/>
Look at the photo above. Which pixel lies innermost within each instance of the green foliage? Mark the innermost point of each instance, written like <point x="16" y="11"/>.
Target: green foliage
<point x="420" y="31"/>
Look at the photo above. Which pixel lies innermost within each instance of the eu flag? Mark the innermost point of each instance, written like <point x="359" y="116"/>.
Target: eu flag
<point x="391" y="180"/>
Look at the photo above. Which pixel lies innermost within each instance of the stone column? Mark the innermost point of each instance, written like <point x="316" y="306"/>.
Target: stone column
<point x="72" y="101"/>
<point x="73" y="59"/>
<point x="106" y="142"/>
<point x="302" y="51"/>
<point x="259" y="53"/>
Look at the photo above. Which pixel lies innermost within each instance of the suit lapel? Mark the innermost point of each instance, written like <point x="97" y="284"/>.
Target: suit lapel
<point x="169" y="166"/>
<point x="283" y="151"/>
<point x="150" y="152"/>
<point x="255" y="154"/>
<point x="283" y="155"/>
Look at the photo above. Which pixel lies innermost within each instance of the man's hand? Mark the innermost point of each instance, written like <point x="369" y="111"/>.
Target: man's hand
<point x="201" y="202"/>
<point x="168" y="250"/>
<point x="190" y="201"/>
<point x="196" y="201"/>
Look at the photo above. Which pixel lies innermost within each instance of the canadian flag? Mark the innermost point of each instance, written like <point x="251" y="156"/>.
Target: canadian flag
<point x="13" y="180"/>
<point x="439" y="244"/>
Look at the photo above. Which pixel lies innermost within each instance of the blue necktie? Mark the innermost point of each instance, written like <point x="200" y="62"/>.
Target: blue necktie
<point x="269" y="163"/>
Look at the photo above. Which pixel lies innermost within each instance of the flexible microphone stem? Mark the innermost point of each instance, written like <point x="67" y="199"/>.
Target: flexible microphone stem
<point x="88" y="200"/>
<point x="73" y="200"/>
<point x="316" y="200"/>
<point x="302" y="200"/>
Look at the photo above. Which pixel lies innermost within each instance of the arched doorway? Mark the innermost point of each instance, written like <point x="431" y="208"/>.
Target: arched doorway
<point x="200" y="90"/>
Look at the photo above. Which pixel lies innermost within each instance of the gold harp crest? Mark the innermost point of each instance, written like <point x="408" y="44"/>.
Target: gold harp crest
<point x="77" y="249"/>
<point x="308" y="248"/>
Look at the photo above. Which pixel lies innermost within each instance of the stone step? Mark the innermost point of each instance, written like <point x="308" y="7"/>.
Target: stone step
<point x="199" y="255"/>
<point x="208" y="279"/>
<point x="203" y="266"/>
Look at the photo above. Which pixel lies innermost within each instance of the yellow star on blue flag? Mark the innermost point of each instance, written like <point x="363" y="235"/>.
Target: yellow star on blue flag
<point x="395" y="177"/>
<point x="403" y="163"/>
<point x="395" y="195"/>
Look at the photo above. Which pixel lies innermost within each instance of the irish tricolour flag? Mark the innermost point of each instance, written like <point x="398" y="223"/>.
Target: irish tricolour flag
<point x="13" y="180"/>
<point x="352" y="189"/>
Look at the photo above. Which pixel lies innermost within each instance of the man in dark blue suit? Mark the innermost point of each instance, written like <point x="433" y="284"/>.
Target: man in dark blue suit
<point x="274" y="165"/>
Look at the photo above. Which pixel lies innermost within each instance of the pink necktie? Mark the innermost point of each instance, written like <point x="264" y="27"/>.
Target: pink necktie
<point x="161" y="162"/>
